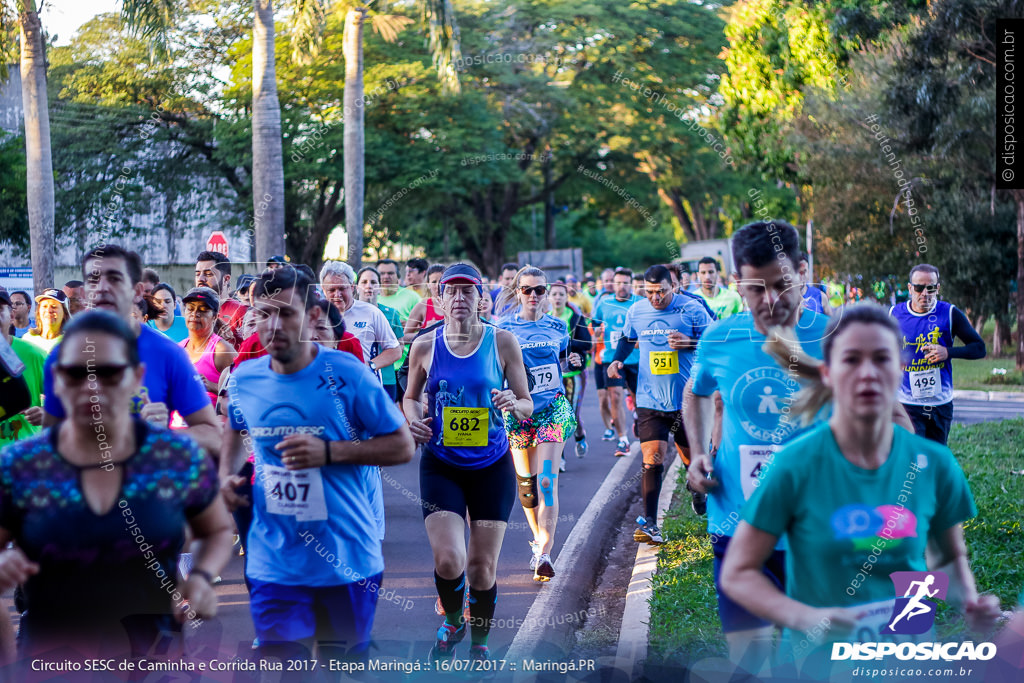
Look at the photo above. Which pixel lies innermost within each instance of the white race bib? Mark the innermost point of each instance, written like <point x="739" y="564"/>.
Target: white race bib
<point x="752" y="460"/>
<point x="613" y="339"/>
<point x="296" y="493"/>
<point x="925" y="383"/>
<point x="545" y="377"/>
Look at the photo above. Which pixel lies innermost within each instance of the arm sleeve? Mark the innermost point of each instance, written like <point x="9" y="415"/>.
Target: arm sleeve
<point x="974" y="345"/>
<point x="581" y="340"/>
<point x="627" y="342"/>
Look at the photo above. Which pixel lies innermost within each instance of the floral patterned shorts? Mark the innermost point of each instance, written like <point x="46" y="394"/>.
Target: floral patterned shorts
<point x="552" y="424"/>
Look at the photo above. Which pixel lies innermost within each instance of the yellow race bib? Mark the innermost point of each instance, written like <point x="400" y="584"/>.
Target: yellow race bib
<point x="664" y="362"/>
<point x="465" y="426"/>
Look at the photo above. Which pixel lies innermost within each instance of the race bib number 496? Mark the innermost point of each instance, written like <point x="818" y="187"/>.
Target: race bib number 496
<point x="924" y="383"/>
<point x="465" y="426"/>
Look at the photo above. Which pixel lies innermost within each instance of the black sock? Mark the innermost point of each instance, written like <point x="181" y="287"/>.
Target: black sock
<point x="452" y="592"/>
<point x="650" y="489"/>
<point x="481" y="612"/>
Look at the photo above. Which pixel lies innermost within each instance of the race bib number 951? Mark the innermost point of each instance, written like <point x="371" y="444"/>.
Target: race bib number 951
<point x="465" y="426"/>
<point x="664" y="362"/>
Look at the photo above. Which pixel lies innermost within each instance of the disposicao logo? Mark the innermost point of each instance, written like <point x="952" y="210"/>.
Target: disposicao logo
<point x="913" y="614"/>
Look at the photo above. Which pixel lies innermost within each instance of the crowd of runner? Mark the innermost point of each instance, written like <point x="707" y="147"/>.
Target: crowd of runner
<point x="142" y="422"/>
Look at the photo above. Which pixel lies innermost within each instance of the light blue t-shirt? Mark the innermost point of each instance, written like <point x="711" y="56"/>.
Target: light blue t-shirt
<point x="611" y="313"/>
<point x="541" y="341"/>
<point x="658" y="389"/>
<point x="177" y="332"/>
<point x="317" y="526"/>
<point x="757" y="394"/>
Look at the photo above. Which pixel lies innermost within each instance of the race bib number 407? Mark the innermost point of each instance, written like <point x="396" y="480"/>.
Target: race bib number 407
<point x="465" y="426"/>
<point x="297" y="493"/>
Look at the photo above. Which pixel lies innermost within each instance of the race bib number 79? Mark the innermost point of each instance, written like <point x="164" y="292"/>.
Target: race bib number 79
<point x="545" y="378"/>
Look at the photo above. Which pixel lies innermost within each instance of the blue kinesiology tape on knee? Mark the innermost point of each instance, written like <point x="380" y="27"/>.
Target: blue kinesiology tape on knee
<point x="548" y="487"/>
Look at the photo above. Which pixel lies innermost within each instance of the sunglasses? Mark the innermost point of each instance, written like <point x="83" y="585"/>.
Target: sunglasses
<point x="539" y="290"/>
<point x="922" y="288"/>
<point x="109" y="375"/>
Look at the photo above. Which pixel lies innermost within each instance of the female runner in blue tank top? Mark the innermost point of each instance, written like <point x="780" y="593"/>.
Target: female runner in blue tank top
<point x="537" y="441"/>
<point x="465" y="465"/>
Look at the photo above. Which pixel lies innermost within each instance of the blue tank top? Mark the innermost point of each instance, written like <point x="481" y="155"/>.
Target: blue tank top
<point x="924" y="383"/>
<point x="459" y="403"/>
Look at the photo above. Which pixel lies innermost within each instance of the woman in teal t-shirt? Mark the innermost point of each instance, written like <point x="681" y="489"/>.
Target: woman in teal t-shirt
<point x="857" y="499"/>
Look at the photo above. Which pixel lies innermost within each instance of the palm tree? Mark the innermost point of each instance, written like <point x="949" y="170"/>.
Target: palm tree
<point x="38" y="159"/>
<point x="439" y="19"/>
<point x="153" y="19"/>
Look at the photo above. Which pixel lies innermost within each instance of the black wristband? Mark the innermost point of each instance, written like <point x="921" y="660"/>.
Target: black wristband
<point x="327" y="452"/>
<point x="203" y="573"/>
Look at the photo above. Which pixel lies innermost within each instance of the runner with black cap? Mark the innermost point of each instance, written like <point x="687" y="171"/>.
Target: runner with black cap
<point x="466" y="466"/>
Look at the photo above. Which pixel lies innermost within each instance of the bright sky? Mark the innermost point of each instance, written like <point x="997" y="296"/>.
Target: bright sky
<point x="62" y="18"/>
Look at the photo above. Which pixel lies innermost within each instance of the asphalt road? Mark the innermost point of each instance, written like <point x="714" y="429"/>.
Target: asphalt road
<point x="405" y="622"/>
<point x="970" y="412"/>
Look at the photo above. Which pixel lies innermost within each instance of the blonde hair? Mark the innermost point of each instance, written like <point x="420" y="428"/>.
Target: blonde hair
<point x="782" y="345"/>
<point x="510" y="295"/>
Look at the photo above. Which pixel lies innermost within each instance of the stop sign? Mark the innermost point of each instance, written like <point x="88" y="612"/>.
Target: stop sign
<point x="217" y="243"/>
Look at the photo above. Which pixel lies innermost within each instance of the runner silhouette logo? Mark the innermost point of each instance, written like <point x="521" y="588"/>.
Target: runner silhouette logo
<point x="914" y="612"/>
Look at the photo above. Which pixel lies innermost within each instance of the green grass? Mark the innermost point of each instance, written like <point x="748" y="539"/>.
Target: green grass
<point x="684" y="616"/>
<point x="976" y="375"/>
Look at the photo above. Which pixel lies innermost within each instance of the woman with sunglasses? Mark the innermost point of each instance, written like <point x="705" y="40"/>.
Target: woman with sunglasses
<point x="857" y="498"/>
<point x="209" y="353"/>
<point x="97" y="552"/>
<point x="537" y="441"/>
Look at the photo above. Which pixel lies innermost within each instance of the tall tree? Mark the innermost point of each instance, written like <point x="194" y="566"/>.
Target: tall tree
<point x="38" y="159"/>
<point x="438" y="18"/>
<point x="267" y="162"/>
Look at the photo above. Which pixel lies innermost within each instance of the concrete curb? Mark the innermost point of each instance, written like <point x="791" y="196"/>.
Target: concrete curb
<point x="543" y="634"/>
<point x="636" y="617"/>
<point x="1013" y="396"/>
